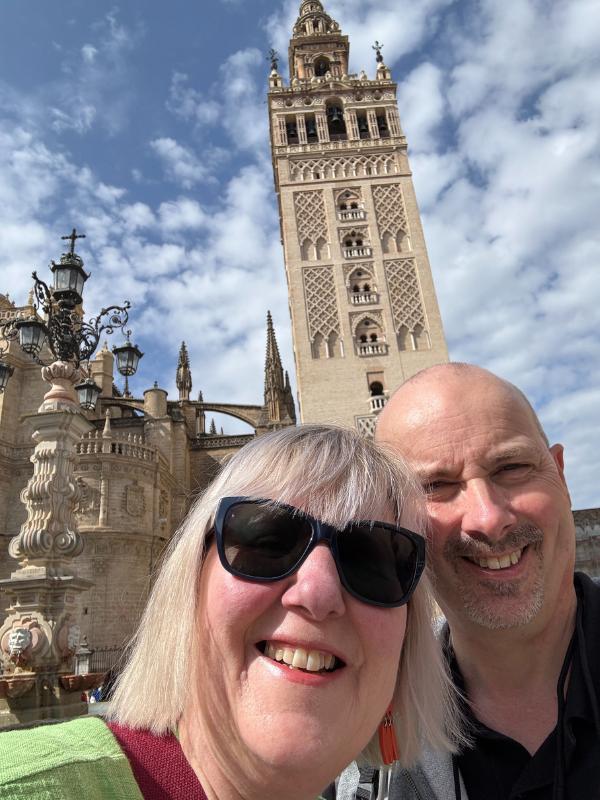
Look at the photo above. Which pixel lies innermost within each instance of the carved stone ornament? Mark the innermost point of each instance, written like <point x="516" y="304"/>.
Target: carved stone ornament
<point x="89" y="499"/>
<point x="21" y="640"/>
<point x="50" y="532"/>
<point x="68" y="638"/>
<point x="63" y="376"/>
<point x="135" y="503"/>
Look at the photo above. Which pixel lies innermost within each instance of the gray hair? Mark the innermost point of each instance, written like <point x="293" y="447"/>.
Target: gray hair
<point x="340" y="477"/>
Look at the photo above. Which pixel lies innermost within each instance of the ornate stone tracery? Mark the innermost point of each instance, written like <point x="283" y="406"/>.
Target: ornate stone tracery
<point x="405" y="297"/>
<point x="311" y="219"/>
<point x="313" y="169"/>
<point x="321" y="302"/>
<point x="390" y="209"/>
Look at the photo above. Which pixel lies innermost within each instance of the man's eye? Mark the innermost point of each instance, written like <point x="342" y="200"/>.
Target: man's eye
<point x="514" y="468"/>
<point x="439" y="488"/>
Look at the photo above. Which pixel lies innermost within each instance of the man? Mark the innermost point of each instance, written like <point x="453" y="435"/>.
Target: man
<point x="523" y="640"/>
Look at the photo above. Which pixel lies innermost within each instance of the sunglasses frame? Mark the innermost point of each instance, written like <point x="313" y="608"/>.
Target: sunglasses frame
<point x="320" y="532"/>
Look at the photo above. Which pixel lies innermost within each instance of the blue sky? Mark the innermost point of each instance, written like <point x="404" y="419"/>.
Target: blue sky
<point x="144" y="124"/>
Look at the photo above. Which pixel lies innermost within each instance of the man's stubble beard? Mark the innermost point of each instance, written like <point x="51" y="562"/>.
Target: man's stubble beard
<point x="484" y="602"/>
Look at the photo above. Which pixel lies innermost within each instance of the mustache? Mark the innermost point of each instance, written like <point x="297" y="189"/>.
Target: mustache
<point x="517" y="538"/>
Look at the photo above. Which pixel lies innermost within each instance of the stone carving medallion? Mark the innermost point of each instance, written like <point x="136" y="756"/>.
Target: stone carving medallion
<point x="135" y="503"/>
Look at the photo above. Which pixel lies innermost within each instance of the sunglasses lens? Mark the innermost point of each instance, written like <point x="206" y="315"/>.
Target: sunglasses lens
<point x="262" y="541"/>
<point x="378" y="564"/>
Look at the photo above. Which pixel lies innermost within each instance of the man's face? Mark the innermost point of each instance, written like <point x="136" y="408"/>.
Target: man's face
<point x="502" y="540"/>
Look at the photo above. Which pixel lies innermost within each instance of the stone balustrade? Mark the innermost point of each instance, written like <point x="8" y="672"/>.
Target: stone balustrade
<point x="377" y="402"/>
<point x="363" y="298"/>
<point x="350" y="214"/>
<point x="371" y="349"/>
<point x="127" y="445"/>
<point x="357" y="252"/>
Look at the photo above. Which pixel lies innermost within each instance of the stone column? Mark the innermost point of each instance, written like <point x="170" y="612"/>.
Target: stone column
<point x="41" y="634"/>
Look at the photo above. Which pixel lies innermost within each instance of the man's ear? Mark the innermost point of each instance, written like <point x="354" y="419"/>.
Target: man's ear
<point x="558" y="454"/>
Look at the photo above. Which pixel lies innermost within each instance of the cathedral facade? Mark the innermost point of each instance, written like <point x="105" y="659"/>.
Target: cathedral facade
<point x="138" y="468"/>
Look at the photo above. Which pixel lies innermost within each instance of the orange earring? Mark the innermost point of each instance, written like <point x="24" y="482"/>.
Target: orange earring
<point x="387" y="739"/>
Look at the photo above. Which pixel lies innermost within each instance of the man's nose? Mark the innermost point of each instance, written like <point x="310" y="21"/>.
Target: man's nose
<point x="486" y="511"/>
<point x="315" y="589"/>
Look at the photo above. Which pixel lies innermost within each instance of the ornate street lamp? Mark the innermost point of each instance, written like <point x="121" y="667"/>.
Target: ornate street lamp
<point x="88" y="393"/>
<point x="5" y="372"/>
<point x="62" y="329"/>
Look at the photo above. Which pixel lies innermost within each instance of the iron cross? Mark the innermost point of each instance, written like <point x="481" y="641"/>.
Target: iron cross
<point x="73" y="236"/>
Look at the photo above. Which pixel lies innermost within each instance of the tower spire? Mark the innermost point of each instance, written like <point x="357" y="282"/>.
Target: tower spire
<point x="184" y="374"/>
<point x="317" y="47"/>
<point x="279" y="403"/>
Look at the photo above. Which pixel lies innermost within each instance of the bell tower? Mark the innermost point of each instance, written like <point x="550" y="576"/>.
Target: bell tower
<point x="364" y="312"/>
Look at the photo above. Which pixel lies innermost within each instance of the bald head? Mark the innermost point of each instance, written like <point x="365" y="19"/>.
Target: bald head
<point x="442" y="388"/>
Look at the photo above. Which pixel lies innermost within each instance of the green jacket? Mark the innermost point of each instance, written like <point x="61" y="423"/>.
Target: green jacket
<point x="75" y="760"/>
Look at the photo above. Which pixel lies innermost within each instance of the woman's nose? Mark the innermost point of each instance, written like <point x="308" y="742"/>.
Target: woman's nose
<point x="315" y="588"/>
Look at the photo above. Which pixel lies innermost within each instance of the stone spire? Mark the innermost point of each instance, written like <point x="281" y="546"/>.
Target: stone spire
<point x="184" y="374"/>
<point x="279" y="403"/>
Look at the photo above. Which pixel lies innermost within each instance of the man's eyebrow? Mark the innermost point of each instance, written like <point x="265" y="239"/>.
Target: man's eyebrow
<point x="513" y="453"/>
<point x="431" y="472"/>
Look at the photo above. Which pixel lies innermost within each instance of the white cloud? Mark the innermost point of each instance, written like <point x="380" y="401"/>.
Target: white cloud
<point x="182" y="214"/>
<point x="181" y="164"/>
<point x="89" y="53"/>
<point x="189" y="104"/>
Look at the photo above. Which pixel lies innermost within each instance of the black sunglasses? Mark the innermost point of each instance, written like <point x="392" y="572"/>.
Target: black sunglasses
<point x="261" y="540"/>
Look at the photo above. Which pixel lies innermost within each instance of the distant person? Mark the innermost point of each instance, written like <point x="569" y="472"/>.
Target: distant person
<point x="286" y="634"/>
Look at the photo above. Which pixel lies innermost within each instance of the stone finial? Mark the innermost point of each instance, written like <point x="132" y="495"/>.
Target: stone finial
<point x="107" y="433"/>
<point x="184" y="374"/>
<point x="213" y="427"/>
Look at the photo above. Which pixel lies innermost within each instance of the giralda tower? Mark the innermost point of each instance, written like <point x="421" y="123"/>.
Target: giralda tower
<point x="362" y="301"/>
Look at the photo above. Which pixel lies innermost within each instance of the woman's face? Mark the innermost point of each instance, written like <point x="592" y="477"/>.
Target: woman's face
<point x="295" y="717"/>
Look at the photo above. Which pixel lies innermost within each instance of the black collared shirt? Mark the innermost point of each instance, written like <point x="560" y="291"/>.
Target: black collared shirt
<point x="498" y="768"/>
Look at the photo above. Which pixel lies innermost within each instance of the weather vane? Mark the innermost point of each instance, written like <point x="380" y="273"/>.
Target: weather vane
<point x="377" y="47"/>
<point x="273" y="57"/>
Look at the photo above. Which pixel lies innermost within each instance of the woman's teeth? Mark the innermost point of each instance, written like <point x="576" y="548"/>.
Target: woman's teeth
<point x="299" y="658"/>
<point x="502" y="562"/>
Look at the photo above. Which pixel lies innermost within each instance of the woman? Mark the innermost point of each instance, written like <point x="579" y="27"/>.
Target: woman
<point x="285" y="624"/>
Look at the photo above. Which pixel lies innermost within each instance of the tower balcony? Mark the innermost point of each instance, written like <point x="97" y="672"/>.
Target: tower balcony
<point x="357" y="252"/>
<point x="377" y="402"/>
<point x="366" y="349"/>
<point x="363" y="298"/>
<point x="352" y="214"/>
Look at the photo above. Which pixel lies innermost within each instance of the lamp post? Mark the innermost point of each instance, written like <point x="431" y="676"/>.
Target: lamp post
<point x="43" y="590"/>
<point x="69" y="338"/>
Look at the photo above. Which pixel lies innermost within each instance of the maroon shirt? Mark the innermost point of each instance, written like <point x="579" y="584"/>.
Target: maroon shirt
<point x="161" y="770"/>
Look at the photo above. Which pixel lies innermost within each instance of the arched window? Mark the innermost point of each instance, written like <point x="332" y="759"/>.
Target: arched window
<point x="311" y="128"/>
<point x="382" y="125"/>
<point x="321" y="64"/>
<point x="376" y="389"/>
<point x="369" y="338"/>
<point x="363" y="125"/>
<point x="292" y="130"/>
<point x="335" y="120"/>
